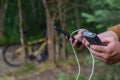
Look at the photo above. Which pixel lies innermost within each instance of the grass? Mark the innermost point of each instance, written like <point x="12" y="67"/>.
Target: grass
<point x="102" y="71"/>
<point x="63" y="76"/>
<point x="28" y="69"/>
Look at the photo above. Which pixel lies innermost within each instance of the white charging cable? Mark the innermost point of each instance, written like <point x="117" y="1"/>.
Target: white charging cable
<point x="93" y="61"/>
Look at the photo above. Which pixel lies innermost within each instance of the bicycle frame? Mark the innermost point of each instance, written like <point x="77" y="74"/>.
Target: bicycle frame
<point x="36" y="52"/>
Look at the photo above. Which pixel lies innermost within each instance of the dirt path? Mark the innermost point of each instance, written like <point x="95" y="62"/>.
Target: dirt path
<point x="46" y="75"/>
<point x="51" y="74"/>
<point x="3" y="66"/>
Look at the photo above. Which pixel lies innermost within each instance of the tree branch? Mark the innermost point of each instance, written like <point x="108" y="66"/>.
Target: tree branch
<point x="46" y="8"/>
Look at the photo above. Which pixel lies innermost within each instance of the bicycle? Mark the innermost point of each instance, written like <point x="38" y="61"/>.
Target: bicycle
<point x="16" y="54"/>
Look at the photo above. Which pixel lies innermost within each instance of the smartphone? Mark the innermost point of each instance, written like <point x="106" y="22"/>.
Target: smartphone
<point x="66" y="34"/>
<point x="92" y="38"/>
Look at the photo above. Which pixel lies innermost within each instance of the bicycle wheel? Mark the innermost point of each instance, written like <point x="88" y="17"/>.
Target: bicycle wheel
<point x="14" y="55"/>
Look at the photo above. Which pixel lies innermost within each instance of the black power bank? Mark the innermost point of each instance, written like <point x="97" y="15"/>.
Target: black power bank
<point x="92" y="38"/>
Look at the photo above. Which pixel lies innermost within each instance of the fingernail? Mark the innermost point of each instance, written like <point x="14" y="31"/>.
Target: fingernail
<point x="80" y="36"/>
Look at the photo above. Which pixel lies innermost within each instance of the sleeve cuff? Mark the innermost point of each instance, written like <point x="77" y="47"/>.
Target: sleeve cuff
<point x="116" y="29"/>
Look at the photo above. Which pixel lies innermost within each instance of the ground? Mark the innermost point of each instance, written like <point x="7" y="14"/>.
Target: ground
<point x="47" y="71"/>
<point x="51" y="73"/>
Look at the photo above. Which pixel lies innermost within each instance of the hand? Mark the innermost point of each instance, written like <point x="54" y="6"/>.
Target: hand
<point x="110" y="54"/>
<point x="79" y="38"/>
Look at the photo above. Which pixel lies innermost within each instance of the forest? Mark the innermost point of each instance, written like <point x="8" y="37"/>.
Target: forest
<point x="24" y="21"/>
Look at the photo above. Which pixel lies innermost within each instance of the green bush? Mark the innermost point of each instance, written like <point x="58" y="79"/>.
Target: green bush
<point x="3" y="40"/>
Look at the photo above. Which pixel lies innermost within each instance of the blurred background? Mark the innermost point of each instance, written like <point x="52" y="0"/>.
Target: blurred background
<point x="31" y="21"/>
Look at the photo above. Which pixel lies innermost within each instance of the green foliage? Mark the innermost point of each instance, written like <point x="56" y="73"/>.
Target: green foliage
<point x="94" y="15"/>
<point x="104" y="13"/>
<point x="3" y="40"/>
<point x="33" y="23"/>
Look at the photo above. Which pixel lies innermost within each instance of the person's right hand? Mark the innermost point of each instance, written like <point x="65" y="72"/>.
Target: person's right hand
<point x="110" y="53"/>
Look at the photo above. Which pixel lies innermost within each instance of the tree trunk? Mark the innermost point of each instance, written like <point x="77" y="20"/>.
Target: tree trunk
<point x="21" y="24"/>
<point x="62" y="23"/>
<point x="57" y="47"/>
<point x="50" y="35"/>
<point x="1" y="16"/>
<point x="50" y="20"/>
<point x="77" y="15"/>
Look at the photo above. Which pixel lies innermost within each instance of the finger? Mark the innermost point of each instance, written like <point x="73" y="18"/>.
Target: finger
<point x="98" y="48"/>
<point x="82" y="39"/>
<point x="81" y="47"/>
<point x="75" y="43"/>
<point x="108" y="40"/>
<point x="99" y="58"/>
<point x="100" y="55"/>
<point x="113" y="59"/>
<point x="81" y="32"/>
<point x="85" y="42"/>
<point x="78" y="37"/>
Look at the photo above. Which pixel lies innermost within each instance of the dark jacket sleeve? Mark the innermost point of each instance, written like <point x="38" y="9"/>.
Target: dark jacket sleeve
<point x="116" y="29"/>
